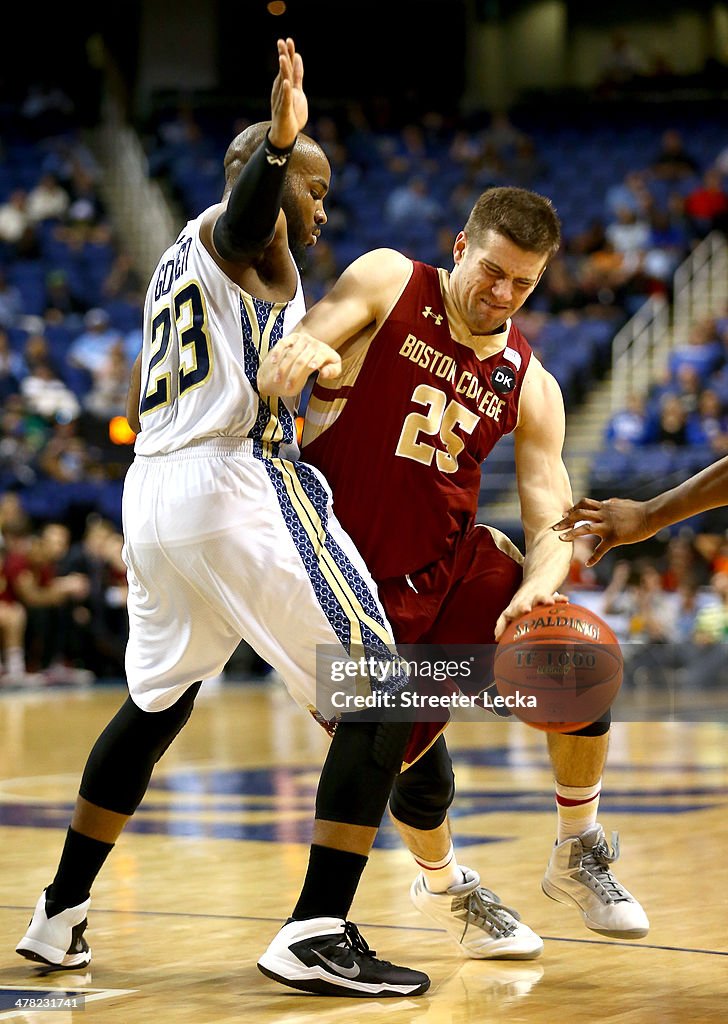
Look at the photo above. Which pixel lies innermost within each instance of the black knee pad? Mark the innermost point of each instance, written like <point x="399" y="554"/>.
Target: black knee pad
<point x="121" y="762"/>
<point x="356" y="779"/>
<point x="422" y="795"/>
<point x="598" y="728"/>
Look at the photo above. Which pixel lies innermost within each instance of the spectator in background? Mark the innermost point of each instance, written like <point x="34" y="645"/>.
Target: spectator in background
<point x="86" y="206"/>
<point x="502" y="137"/>
<point x="708" y="425"/>
<point x="91" y="348"/>
<point x="708" y="665"/>
<point x="629" y="234"/>
<point x="21" y="438"/>
<point x="673" y="162"/>
<point x="108" y="393"/>
<point x="629" y="428"/>
<point x="667" y="245"/>
<point x="61" y="302"/>
<point x="66" y="457"/>
<point x="123" y="280"/>
<point x="48" y="200"/>
<point x="14" y="219"/>
<point x="525" y="167"/>
<point x="412" y="203"/>
<point x="703" y="351"/>
<point x="655" y="610"/>
<point x="32" y="580"/>
<point x="101" y="617"/>
<point x="13" y="619"/>
<point x="682" y="563"/>
<point x="687" y="386"/>
<point x="11" y="301"/>
<point x="12" y="517"/>
<point x="690" y="602"/>
<point x="46" y="394"/>
<point x="630" y="194"/>
<point x="672" y="425"/>
<point x="707" y="205"/>
<point x="618" y="601"/>
<point x="11" y="367"/>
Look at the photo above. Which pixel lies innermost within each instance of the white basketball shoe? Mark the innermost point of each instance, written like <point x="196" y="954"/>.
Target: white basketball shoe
<point x="56" y="940"/>
<point x="476" y="920"/>
<point x="578" y="874"/>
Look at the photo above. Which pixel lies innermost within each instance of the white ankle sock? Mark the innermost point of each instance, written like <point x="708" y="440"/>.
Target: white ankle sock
<point x="15" y="661"/>
<point x="441" y="874"/>
<point x="577" y="808"/>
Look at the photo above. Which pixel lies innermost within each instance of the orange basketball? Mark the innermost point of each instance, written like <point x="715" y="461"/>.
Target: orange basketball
<point x="559" y="667"/>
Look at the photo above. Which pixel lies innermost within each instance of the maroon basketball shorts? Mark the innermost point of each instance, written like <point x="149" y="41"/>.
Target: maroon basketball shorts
<point x="456" y="600"/>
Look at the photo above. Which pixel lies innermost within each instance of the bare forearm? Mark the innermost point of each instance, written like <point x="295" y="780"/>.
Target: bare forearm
<point x="134" y="394"/>
<point x="547" y="561"/>
<point x="707" y="489"/>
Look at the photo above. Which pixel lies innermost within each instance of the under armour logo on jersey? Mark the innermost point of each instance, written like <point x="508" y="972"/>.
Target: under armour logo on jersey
<point x="278" y="161"/>
<point x="437" y="317"/>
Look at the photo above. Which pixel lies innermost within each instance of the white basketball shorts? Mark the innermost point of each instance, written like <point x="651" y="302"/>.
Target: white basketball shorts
<point x="224" y="542"/>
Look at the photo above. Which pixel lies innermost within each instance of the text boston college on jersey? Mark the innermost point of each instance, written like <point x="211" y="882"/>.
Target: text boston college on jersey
<point x="466" y="383"/>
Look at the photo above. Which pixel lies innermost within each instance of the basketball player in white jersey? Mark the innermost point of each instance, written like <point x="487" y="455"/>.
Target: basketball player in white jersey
<point x="229" y="537"/>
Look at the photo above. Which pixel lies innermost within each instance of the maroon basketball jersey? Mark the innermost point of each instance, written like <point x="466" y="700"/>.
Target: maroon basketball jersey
<point x="401" y="435"/>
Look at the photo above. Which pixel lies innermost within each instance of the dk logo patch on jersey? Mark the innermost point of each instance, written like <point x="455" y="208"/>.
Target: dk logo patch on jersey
<point x="503" y="379"/>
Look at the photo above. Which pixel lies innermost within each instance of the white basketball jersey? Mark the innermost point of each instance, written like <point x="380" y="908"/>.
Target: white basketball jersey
<point x="204" y="339"/>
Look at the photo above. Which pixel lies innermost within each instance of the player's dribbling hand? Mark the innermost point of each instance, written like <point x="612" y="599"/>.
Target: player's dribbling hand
<point x="523" y="601"/>
<point x="287" y="367"/>
<point x="288" y="103"/>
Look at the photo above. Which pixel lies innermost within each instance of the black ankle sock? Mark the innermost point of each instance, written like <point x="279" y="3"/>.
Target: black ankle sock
<point x="81" y="860"/>
<point x="330" y="883"/>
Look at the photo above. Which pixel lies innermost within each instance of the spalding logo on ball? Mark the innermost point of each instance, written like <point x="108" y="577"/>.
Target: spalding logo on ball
<point x="565" y="657"/>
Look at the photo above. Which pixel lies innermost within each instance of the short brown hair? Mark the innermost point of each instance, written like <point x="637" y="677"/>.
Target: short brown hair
<point x="528" y="219"/>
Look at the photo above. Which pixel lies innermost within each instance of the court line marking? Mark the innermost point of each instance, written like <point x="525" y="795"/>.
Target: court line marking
<point x="390" y="927"/>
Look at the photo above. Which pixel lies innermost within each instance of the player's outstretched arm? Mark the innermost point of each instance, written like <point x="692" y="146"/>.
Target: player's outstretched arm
<point x="543" y="485"/>
<point x="622" y="521"/>
<point x="247" y="224"/>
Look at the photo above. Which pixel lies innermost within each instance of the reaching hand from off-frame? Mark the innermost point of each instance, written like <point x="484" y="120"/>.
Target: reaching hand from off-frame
<point x="616" y="521"/>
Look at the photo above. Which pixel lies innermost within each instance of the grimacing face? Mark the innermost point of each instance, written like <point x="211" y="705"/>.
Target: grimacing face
<point x="492" y="279"/>
<point x="307" y="184"/>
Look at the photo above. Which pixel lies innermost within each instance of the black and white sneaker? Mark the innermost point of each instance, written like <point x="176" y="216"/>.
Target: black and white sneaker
<point x="329" y="956"/>
<point x="55" y="935"/>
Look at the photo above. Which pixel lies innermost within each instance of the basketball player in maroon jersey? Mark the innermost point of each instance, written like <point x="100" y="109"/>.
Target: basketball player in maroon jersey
<point x="623" y="521"/>
<point x="431" y="373"/>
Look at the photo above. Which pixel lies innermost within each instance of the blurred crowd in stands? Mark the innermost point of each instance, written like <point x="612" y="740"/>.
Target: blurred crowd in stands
<point x="667" y="603"/>
<point x="634" y="198"/>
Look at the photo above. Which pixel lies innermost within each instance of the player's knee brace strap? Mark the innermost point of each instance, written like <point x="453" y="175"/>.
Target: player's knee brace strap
<point x="422" y="795"/>
<point x="357" y="776"/>
<point x="597" y="728"/>
<point x="120" y="765"/>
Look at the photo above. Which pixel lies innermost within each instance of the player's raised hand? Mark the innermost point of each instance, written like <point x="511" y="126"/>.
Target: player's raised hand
<point x="287" y="367"/>
<point x="288" y="103"/>
<point x="616" y="521"/>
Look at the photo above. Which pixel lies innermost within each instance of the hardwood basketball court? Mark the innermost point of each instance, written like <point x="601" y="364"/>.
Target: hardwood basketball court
<point x="212" y="863"/>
